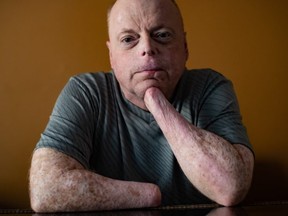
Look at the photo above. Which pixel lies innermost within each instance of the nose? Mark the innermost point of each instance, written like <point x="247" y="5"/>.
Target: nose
<point x="148" y="47"/>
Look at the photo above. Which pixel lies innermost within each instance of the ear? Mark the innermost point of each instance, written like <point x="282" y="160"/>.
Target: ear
<point x="187" y="51"/>
<point x="186" y="46"/>
<point x="108" y="44"/>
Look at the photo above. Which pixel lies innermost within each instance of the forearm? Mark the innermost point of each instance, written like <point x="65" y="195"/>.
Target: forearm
<point x="76" y="189"/>
<point x="212" y="164"/>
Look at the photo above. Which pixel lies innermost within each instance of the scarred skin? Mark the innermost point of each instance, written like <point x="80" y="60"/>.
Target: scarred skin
<point x="221" y="171"/>
<point x="60" y="183"/>
<point x="148" y="52"/>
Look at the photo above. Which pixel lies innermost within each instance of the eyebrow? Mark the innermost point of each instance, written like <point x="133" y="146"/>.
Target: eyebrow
<point x="125" y="31"/>
<point x="153" y="29"/>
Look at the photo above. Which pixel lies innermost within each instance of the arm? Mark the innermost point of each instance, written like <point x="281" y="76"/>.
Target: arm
<point x="221" y="171"/>
<point x="60" y="183"/>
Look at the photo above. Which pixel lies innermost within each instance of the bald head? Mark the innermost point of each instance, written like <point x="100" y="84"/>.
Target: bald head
<point x="109" y="10"/>
<point x="114" y="4"/>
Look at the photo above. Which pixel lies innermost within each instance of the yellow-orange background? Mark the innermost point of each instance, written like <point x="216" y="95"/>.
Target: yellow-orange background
<point x="43" y="43"/>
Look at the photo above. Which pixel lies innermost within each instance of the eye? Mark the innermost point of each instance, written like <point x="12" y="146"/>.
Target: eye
<point x="163" y="36"/>
<point x="127" y="39"/>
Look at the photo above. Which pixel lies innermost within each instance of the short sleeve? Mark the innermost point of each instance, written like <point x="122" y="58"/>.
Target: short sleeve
<point x="219" y="111"/>
<point x="71" y="125"/>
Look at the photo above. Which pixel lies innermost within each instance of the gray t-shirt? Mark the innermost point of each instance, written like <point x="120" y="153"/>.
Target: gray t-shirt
<point x="94" y="123"/>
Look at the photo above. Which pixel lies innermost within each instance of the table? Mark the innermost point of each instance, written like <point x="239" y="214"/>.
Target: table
<point x="253" y="209"/>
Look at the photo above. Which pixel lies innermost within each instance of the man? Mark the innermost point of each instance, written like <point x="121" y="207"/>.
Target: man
<point x="149" y="133"/>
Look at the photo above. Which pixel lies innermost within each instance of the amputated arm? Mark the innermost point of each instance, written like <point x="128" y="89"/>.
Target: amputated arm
<point x="59" y="183"/>
<point x="221" y="171"/>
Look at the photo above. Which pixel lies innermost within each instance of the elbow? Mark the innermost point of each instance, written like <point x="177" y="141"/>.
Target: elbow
<point x="36" y="205"/>
<point x="37" y="202"/>
<point x="44" y="200"/>
<point x="42" y="204"/>
<point x="37" y="195"/>
<point x="228" y="201"/>
<point x="231" y="197"/>
<point x="42" y="197"/>
<point x="232" y="192"/>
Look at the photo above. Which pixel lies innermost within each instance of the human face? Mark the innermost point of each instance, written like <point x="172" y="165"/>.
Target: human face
<point x="147" y="47"/>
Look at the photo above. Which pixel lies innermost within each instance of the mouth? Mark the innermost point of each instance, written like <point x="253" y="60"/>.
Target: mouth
<point x="151" y="73"/>
<point x="149" y="70"/>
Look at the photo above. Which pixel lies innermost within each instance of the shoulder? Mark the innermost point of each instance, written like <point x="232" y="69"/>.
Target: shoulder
<point x="92" y="79"/>
<point x="200" y="82"/>
<point x="204" y="75"/>
<point x="99" y="84"/>
<point x="87" y="90"/>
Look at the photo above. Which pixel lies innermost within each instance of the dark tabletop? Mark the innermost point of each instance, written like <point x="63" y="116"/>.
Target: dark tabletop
<point x="263" y="209"/>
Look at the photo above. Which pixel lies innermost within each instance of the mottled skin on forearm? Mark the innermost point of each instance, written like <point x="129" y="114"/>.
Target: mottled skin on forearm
<point x="221" y="171"/>
<point x="60" y="183"/>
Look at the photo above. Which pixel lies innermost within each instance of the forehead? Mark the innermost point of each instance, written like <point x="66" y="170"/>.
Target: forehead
<point x="144" y="12"/>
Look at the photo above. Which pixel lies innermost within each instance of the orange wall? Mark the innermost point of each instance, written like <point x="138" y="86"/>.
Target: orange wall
<point x="43" y="43"/>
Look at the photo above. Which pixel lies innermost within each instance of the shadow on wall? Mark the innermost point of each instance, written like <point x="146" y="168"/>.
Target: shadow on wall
<point x="270" y="182"/>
